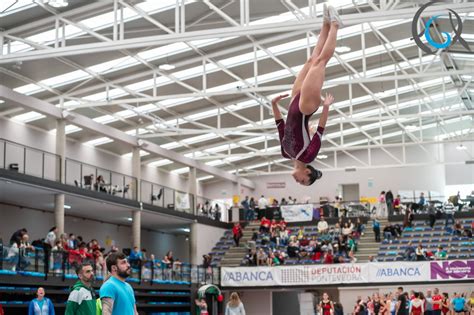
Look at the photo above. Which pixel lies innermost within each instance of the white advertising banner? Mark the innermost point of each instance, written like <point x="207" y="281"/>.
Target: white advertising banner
<point x="394" y="272"/>
<point x="297" y="213"/>
<point x="181" y="201"/>
<point x="293" y="275"/>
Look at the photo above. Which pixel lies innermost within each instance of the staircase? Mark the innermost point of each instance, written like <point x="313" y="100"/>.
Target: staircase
<point x="233" y="257"/>
<point x="367" y="246"/>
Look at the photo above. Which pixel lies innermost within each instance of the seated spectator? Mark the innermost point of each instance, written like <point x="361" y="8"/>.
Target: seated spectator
<point x="303" y="254"/>
<point x="293" y="248"/>
<point x="100" y="184"/>
<point x="261" y="257"/>
<point x="346" y="230"/>
<point x="409" y="253"/>
<point x="17" y="253"/>
<point x="336" y="231"/>
<point x="328" y="257"/>
<point x="352" y="258"/>
<point x="457" y="228"/>
<point x="323" y="227"/>
<point x="273" y="226"/>
<point x="388" y="233"/>
<point x="420" y="253"/>
<point x="282" y="224"/>
<point x="273" y="260"/>
<point x="351" y="244"/>
<point x="359" y="227"/>
<point x="300" y="233"/>
<point x="265" y="225"/>
<point x="467" y="233"/>
<point x="283" y="237"/>
<point x="372" y="259"/>
<point x="441" y="253"/>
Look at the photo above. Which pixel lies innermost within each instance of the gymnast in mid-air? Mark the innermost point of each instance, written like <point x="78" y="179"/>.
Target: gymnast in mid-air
<point x="295" y="140"/>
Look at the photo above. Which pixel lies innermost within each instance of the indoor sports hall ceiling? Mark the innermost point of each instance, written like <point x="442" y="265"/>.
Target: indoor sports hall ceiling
<point x="203" y="88"/>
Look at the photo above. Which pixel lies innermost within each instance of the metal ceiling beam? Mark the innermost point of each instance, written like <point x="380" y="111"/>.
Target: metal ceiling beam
<point x="115" y="134"/>
<point x="158" y="40"/>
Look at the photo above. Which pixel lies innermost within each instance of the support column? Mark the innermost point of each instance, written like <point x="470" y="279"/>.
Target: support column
<point x="59" y="212"/>
<point x="137" y="215"/>
<point x="237" y="190"/>
<point x="193" y="243"/>
<point x="61" y="148"/>
<point x="192" y="188"/>
<point x="136" y="228"/>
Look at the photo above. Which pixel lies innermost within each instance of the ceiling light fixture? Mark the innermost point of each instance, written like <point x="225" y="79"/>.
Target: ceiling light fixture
<point x="461" y="147"/>
<point x="166" y="66"/>
<point x="67" y="207"/>
<point x="58" y="3"/>
<point x="129" y="219"/>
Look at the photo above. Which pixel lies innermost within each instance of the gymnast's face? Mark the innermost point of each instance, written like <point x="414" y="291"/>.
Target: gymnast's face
<point x="301" y="176"/>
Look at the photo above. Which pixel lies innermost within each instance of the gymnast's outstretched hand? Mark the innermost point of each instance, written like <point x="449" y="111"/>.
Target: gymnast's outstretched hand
<point x="278" y="98"/>
<point x="328" y="100"/>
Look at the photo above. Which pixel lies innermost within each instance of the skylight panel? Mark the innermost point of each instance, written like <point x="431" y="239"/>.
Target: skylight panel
<point x="215" y="163"/>
<point x="66" y="78"/>
<point x="241" y="105"/>
<point x="171" y="145"/>
<point x="114" y="65"/>
<point x="28" y="89"/>
<point x="98" y="141"/>
<point x="198" y="70"/>
<point x="200" y="138"/>
<point x="177" y="101"/>
<point x="159" y="163"/>
<point x="195" y="154"/>
<point x="252" y="140"/>
<point x="106" y="119"/>
<point x="164" y="51"/>
<point x="180" y="171"/>
<point x="28" y="117"/>
<point x="221" y="148"/>
<point x="8" y="7"/>
<point x="205" y="177"/>
<point x="48" y="37"/>
<point x="114" y="93"/>
<point x="69" y="129"/>
<point x="202" y="115"/>
<point x="133" y="132"/>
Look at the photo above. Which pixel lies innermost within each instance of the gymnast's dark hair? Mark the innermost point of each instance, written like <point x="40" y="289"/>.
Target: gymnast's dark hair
<point x="314" y="175"/>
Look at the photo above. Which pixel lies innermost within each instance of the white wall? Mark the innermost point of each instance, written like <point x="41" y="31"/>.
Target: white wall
<point x="462" y="174"/>
<point x="207" y="237"/>
<point x="257" y="302"/>
<point x="38" y="224"/>
<point x="45" y="141"/>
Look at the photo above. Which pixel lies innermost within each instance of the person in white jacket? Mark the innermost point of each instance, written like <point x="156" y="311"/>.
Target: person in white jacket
<point x="234" y="306"/>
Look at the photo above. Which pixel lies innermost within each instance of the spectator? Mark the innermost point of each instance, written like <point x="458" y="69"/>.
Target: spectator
<point x="234" y="306"/>
<point x="251" y="257"/>
<point x="396" y="205"/>
<point x="352" y="258"/>
<point x="360" y="308"/>
<point x="82" y="299"/>
<point x="283" y="236"/>
<point x="338" y="310"/>
<point x="458" y="228"/>
<point x="246" y="206"/>
<point x="283" y="202"/>
<point x="217" y="212"/>
<point x="206" y="261"/>
<point x="41" y="305"/>
<point x="420" y="253"/>
<point x="293" y="247"/>
<point x="252" y="205"/>
<point x="262" y="203"/>
<point x="372" y="259"/>
<point x="416" y="305"/>
<point x="116" y="294"/>
<point x="265" y="225"/>
<point x="337" y="206"/>
<point x="323" y="226"/>
<point x="291" y="201"/>
<point x="17" y="236"/>
<point x="261" y="257"/>
<point x="409" y="253"/>
<point x="72" y="242"/>
<point x="274" y="203"/>
<point x="328" y="257"/>
<point x="360" y="228"/>
<point x="432" y="215"/>
<point x="237" y="233"/>
<point x="376" y="228"/>
<point x="421" y="202"/>
<point x="382" y="209"/>
<point x="347" y="230"/>
<point x="136" y="257"/>
<point x="428" y="303"/>
<point x="51" y="237"/>
<point x="168" y="260"/>
<point x="326" y="306"/>
<point x="202" y="305"/>
<point x="389" y="200"/>
<point x="449" y="212"/>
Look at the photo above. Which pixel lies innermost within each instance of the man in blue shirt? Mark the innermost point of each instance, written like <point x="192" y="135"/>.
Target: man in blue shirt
<point x="117" y="296"/>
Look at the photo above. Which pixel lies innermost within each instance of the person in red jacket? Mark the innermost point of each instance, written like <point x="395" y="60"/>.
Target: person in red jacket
<point x="237" y="233"/>
<point x="265" y="225"/>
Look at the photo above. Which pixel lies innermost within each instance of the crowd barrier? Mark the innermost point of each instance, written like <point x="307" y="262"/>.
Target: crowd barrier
<point x="361" y="273"/>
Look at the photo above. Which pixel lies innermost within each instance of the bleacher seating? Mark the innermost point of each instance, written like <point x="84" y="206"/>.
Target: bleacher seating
<point x="457" y="247"/>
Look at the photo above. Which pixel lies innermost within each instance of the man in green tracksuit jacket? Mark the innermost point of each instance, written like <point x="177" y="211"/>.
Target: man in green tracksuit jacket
<point x="82" y="299"/>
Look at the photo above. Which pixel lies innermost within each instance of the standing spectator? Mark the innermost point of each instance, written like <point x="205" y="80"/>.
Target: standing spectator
<point x="41" y="305"/>
<point x="449" y="212"/>
<point x="116" y="294"/>
<point x="376" y="228"/>
<point x="416" y="305"/>
<point x="437" y="301"/>
<point x="382" y="209"/>
<point x="234" y="306"/>
<point x="337" y="206"/>
<point x="326" y="306"/>
<point x="291" y="201"/>
<point x="252" y="205"/>
<point x="283" y="202"/>
<point x="17" y="236"/>
<point x="428" y="303"/>
<point x="82" y="299"/>
<point x="401" y="308"/>
<point x="136" y="257"/>
<point x="237" y="233"/>
<point x="396" y="204"/>
<point x="389" y="199"/>
<point x="72" y="242"/>
<point x="262" y="203"/>
<point x="421" y="202"/>
<point x="246" y="206"/>
<point x="432" y="214"/>
<point x="217" y="212"/>
<point x="322" y="226"/>
<point x="202" y="304"/>
<point x="51" y="236"/>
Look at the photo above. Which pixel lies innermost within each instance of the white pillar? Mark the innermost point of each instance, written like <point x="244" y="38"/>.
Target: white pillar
<point x="193" y="242"/>
<point x="137" y="215"/>
<point x="61" y="147"/>
<point x="59" y="212"/>
<point x="192" y="188"/>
